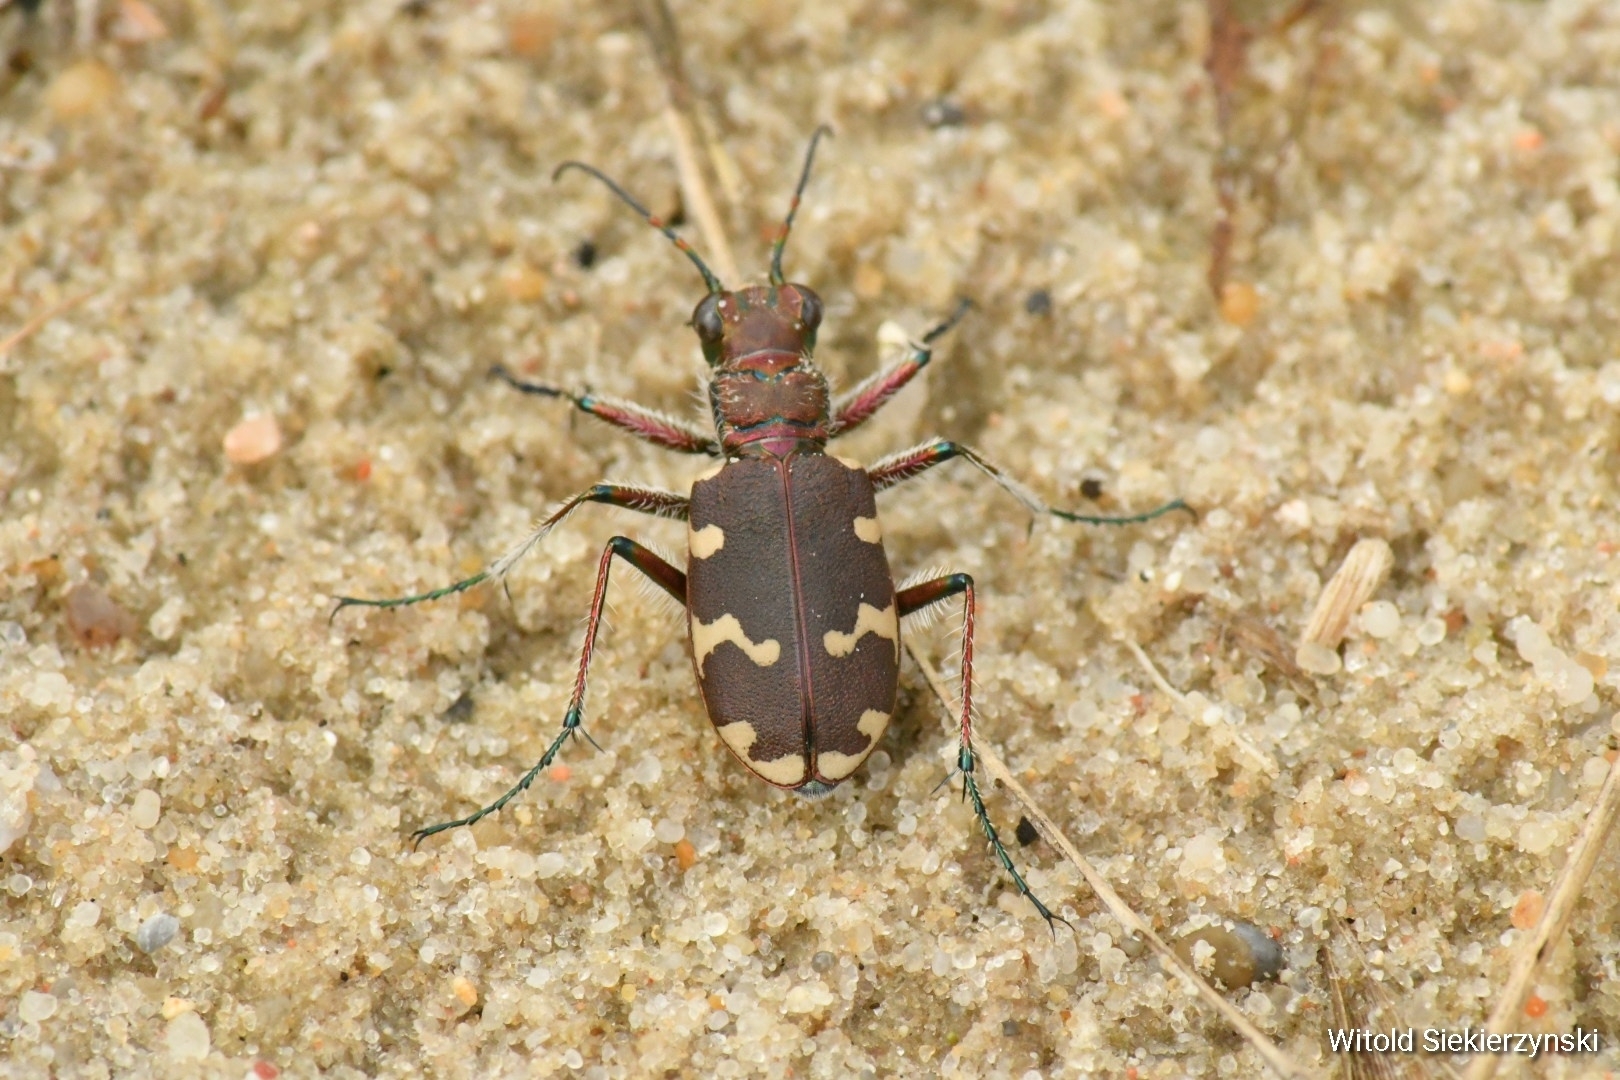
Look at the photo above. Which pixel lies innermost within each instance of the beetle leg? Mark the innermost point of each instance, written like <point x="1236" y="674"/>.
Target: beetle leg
<point x="645" y="500"/>
<point x="856" y="407"/>
<point x="898" y="468"/>
<point x="663" y="575"/>
<point x="932" y="592"/>
<point x="643" y="423"/>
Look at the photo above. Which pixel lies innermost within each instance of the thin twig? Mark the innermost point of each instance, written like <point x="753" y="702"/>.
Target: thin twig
<point x="1133" y="923"/>
<point x="1566" y="892"/>
<point x="1258" y="757"/>
<point x="33" y="325"/>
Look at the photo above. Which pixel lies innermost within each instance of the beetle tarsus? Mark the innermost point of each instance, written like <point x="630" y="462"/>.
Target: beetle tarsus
<point x="503" y="373"/>
<point x="898" y="468"/>
<point x="970" y="789"/>
<point x="645" y="500"/>
<point x="963" y="306"/>
<point x="404" y="601"/>
<point x="573" y="726"/>
<point x="1127" y="519"/>
<point x="517" y="789"/>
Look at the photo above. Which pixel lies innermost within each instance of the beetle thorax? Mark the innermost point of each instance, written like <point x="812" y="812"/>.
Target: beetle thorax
<point x="767" y="395"/>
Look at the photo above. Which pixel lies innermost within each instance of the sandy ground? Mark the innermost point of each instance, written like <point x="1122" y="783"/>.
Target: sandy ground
<point x="264" y="254"/>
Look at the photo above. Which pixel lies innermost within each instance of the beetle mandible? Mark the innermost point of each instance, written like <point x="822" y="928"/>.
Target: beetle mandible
<point x="792" y="614"/>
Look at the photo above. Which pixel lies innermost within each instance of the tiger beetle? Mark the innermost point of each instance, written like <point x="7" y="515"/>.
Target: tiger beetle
<point x="793" y="617"/>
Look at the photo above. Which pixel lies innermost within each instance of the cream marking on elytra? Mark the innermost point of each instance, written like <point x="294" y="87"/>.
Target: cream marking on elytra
<point x="869" y="530"/>
<point x="706" y="636"/>
<point x="705" y="541"/>
<point x="872" y="724"/>
<point x="787" y="771"/>
<point x="832" y="765"/>
<point x="849" y="462"/>
<point x="868" y="620"/>
<point x="710" y="473"/>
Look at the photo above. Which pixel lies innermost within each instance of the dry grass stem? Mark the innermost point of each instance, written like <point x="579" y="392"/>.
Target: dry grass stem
<point x="1554" y="920"/>
<point x="1280" y="1063"/>
<point x="680" y="115"/>
<point x="33" y="325"/>
<point x="1350" y="1009"/>
<point x="1257" y="757"/>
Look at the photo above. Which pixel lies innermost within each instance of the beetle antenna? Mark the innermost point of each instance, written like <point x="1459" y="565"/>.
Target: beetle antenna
<point x="793" y="207"/>
<point x="708" y="275"/>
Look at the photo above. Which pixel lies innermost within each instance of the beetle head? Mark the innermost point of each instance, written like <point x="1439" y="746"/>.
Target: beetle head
<point x="759" y="323"/>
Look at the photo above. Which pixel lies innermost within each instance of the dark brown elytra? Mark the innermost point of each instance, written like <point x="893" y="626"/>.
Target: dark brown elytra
<point x="792" y="613"/>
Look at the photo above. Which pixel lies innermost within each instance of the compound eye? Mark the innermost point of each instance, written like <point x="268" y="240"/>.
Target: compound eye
<point x="706" y="319"/>
<point x="809" y="309"/>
